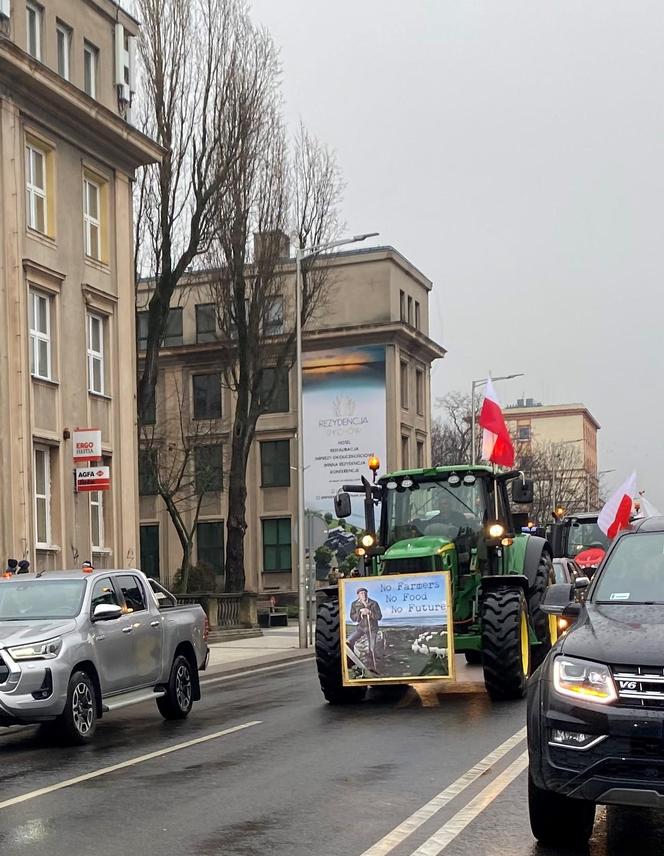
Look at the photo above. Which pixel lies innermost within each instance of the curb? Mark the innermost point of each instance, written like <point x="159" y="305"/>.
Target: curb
<point x="278" y="659"/>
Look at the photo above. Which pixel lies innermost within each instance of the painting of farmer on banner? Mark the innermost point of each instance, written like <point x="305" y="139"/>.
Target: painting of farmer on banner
<point x="395" y="628"/>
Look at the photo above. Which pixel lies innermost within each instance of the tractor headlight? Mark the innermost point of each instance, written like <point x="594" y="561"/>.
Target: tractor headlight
<point x="583" y="679"/>
<point x="368" y="540"/>
<point x="37" y="651"/>
<point x="496" y="530"/>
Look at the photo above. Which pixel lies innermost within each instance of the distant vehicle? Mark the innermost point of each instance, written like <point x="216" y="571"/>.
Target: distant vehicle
<point x="596" y="705"/>
<point x="566" y="570"/>
<point x="578" y="537"/>
<point x="76" y="645"/>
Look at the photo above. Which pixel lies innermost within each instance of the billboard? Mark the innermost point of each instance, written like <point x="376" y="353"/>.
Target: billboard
<point x="344" y="414"/>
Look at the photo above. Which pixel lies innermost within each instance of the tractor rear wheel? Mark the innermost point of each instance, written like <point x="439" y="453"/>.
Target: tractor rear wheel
<point x="544" y="626"/>
<point x="328" y="657"/>
<point x="505" y="643"/>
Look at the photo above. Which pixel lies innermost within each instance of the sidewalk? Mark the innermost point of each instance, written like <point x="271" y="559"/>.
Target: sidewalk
<point x="276" y="645"/>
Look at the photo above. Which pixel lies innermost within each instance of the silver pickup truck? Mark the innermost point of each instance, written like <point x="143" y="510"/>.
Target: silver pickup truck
<point x="75" y="645"/>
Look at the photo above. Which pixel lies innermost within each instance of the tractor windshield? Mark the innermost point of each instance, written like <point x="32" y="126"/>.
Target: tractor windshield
<point x="434" y="508"/>
<point x="584" y="535"/>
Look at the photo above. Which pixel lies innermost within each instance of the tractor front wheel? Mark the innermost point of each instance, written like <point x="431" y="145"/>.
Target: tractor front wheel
<point x="505" y="644"/>
<point x="328" y="657"/>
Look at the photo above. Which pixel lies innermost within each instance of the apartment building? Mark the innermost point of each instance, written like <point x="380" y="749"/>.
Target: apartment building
<point x="369" y="342"/>
<point x="68" y="153"/>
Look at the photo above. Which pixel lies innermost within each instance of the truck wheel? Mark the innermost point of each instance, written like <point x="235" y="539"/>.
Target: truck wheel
<point x="558" y="820"/>
<point x="78" y="722"/>
<point x="328" y="657"/>
<point x="505" y="644"/>
<point x="544" y="626"/>
<point x="179" y="697"/>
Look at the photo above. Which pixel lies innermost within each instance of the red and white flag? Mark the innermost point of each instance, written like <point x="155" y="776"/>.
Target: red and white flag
<point x="618" y="508"/>
<point x="496" y="441"/>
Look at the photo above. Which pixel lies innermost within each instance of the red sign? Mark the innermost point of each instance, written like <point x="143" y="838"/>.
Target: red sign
<point x="93" y="478"/>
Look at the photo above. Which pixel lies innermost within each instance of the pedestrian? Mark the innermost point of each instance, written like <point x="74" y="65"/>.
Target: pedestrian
<point x="23" y="567"/>
<point x="87" y="567"/>
<point x="12" y="566"/>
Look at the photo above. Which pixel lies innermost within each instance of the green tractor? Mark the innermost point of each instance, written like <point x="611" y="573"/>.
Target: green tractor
<point x="455" y="519"/>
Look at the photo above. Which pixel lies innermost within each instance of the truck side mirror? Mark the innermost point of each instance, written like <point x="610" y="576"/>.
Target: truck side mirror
<point x="522" y="491"/>
<point x="342" y="506"/>
<point x="557" y="598"/>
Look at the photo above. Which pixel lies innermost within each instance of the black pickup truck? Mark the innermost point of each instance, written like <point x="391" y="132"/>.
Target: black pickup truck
<point x="596" y="704"/>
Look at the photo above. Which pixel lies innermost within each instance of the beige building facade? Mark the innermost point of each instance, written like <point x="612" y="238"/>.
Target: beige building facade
<point x="67" y="159"/>
<point x="376" y="297"/>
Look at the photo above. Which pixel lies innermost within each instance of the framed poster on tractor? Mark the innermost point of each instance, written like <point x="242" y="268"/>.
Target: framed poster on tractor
<point x="396" y="628"/>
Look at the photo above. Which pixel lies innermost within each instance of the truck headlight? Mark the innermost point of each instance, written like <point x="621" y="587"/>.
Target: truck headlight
<point x="37" y="651"/>
<point x="583" y="679"/>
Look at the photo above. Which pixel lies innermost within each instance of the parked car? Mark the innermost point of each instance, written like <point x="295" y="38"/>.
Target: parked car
<point x="566" y="570"/>
<point x="75" y="646"/>
<point x="596" y="704"/>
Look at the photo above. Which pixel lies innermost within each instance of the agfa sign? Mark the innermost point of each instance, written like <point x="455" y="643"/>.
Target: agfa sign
<point x="93" y="478"/>
<point x="86" y="445"/>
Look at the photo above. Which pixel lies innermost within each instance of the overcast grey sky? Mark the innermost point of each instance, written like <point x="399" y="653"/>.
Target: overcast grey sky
<point x="514" y="152"/>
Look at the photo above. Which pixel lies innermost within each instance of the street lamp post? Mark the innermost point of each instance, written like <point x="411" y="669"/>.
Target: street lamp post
<point x="302" y="253"/>
<point x="474" y="385"/>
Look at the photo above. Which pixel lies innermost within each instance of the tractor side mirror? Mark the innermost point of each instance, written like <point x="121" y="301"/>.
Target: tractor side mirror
<point x="342" y="506"/>
<point x="522" y="491"/>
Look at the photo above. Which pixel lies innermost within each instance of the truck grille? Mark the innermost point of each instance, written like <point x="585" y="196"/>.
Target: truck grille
<point x="640" y="686"/>
<point x="413" y="566"/>
<point x="4" y="671"/>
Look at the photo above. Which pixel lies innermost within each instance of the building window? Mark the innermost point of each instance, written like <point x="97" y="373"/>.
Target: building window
<point x="150" y="550"/>
<point x="91" y="219"/>
<point x="418" y="318"/>
<point x="523" y="433"/>
<point x="420" y="454"/>
<point x="210" y="545"/>
<point x="207" y="396"/>
<point x="35" y="188"/>
<point x="173" y="332"/>
<point x="209" y="468"/>
<point x="402" y="306"/>
<point x="206" y="322"/>
<point x="403" y="376"/>
<point x="96" y="354"/>
<point x="40" y="335"/>
<point x="277" y="545"/>
<point x="42" y="478"/>
<point x="274" y="319"/>
<point x="147" y="472"/>
<point x="34" y="16"/>
<point x="97" y="519"/>
<point x="142" y="319"/>
<point x="275" y="463"/>
<point x="279" y="402"/>
<point x="410" y="311"/>
<point x="419" y="391"/>
<point x="63" y="35"/>
<point x="90" y="64"/>
<point x="404" y="453"/>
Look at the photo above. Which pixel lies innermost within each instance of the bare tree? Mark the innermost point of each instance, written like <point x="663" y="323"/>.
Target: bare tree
<point x="558" y="475"/>
<point x="268" y="195"/>
<point x="182" y="462"/>
<point x="189" y="52"/>
<point x="451" y="435"/>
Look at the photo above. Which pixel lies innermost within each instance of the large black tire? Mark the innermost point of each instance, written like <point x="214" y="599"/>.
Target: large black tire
<point x="557" y="820"/>
<point x="179" y="698"/>
<point x="78" y="722"/>
<point x="505" y="645"/>
<point x="544" y="626"/>
<point x="328" y="657"/>
<point x="473" y="658"/>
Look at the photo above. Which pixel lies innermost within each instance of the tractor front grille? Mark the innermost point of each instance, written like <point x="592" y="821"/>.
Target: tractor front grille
<point x="414" y="565"/>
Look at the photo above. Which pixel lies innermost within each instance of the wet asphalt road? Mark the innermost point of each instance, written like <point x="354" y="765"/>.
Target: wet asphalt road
<point x="299" y="778"/>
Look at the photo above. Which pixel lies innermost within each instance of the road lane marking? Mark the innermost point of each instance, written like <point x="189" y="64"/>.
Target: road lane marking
<point x="422" y="815"/>
<point x="132" y="762"/>
<point x="455" y="825"/>
<point x="223" y="678"/>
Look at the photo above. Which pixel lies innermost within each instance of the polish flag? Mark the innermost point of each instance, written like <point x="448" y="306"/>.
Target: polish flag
<point x="618" y="508"/>
<point x="496" y="441"/>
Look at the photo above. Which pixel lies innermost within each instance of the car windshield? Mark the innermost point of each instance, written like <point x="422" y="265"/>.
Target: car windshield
<point x="40" y="600"/>
<point x="584" y="535"/>
<point x="634" y="572"/>
<point x="434" y="508"/>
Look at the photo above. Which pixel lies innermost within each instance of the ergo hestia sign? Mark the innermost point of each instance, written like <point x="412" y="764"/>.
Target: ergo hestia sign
<point x="86" y="445"/>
